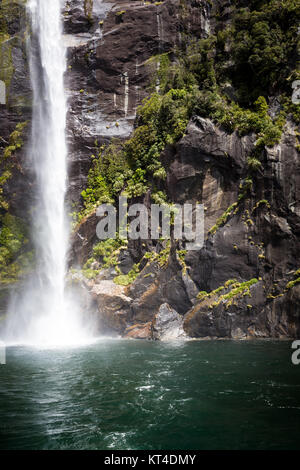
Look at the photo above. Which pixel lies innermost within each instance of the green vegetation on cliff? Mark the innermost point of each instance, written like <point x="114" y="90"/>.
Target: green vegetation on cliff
<point x="7" y="160"/>
<point x="295" y="281"/>
<point x="133" y="166"/>
<point x="264" y="43"/>
<point x="15" y="258"/>
<point x="228" y="293"/>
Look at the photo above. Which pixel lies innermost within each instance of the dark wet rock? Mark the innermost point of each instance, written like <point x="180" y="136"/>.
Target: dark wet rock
<point x="283" y="314"/>
<point x="254" y="316"/>
<point x="204" y="159"/>
<point x="126" y="261"/>
<point x="129" y="40"/>
<point x="226" y="319"/>
<point x="78" y="16"/>
<point x="156" y="286"/>
<point x="83" y="238"/>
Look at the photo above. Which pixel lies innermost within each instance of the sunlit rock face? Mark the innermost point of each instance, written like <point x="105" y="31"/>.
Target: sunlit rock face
<point x="111" y="50"/>
<point x="110" y="45"/>
<point x="167" y="324"/>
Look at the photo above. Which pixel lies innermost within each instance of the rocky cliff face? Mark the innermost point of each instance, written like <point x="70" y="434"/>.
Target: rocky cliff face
<point x="246" y="264"/>
<point x="15" y="175"/>
<point x="111" y="46"/>
<point x="16" y="100"/>
<point x="244" y="282"/>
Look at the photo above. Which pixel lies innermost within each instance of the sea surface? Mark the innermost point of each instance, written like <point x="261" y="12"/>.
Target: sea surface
<point x="122" y="394"/>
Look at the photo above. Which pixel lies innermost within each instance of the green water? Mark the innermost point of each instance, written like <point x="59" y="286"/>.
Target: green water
<point x="119" y="394"/>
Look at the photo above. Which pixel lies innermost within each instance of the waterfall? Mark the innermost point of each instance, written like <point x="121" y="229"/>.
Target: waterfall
<point x="48" y="150"/>
<point x="44" y="313"/>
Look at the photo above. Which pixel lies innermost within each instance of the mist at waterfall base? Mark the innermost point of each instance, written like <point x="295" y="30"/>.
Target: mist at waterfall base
<point x="43" y="312"/>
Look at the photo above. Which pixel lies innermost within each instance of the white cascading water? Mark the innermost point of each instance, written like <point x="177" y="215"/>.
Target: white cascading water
<point x="44" y="314"/>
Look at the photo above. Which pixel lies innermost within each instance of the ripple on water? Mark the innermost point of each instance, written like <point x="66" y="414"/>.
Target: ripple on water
<point x="139" y="395"/>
